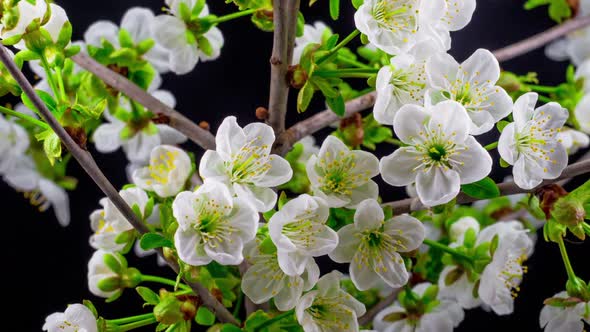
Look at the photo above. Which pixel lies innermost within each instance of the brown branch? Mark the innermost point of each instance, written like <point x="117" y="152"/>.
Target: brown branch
<point x="506" y="188"/>
<point x="384" y="303"/>
<point x="323" y="119"/>
<point x="85" y="159"/>
<point x="285" y="21"/>
<point x="540" y="39"/>
<point x="178" y="121"/>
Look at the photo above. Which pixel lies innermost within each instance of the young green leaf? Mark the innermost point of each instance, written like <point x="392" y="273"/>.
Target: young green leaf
<point x="334" y="9"/>
<point x="154" y="240"/>
<point x="205" y="317"/>
<point x="482" y="189"/>
<point x="148" y="295"/>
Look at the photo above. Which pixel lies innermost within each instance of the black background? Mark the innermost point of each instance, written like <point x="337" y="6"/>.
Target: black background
<point x="45" y="265"/>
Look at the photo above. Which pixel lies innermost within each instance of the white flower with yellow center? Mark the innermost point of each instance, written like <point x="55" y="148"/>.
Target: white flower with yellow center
<point x="372" y="245"/>
<point x="76" y="318"/>
<point x="500" y="280"/>
<point x="342" y="177"/>
<point x="108" y="223"/>
<point x="167" y="172"/>
<point x="299" y="232"/>
<point x="402" y="82"/>
<point x="440" y="154"/>
<point x="329" y="308"/>
<point x="212" y="225"/>
<point x="471" y="83"/>
<point x="264" y="279"/>
<point x="242" y="160"/>
<point x="531" y="142"/>
<point x="569" y="318"/>
<point x="396" y="26"/>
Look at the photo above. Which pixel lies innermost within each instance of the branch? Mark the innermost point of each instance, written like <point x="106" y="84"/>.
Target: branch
<point x="178" y="121"/>
<point x="371" y="313"/>
<point x="285" y="21"/>
<point x="323" y="119"/>
<point x="540" y="39"/>
<point x="506" y="188"/>
<point x="85" y="159"/>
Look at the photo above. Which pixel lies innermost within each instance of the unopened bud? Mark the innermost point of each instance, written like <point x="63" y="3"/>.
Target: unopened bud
<point x="261" y="113"/>
<point x="459" y="227"/>
<point x="576" y="287"/>
<point x="548" y="195"/>
<point x="109" y="284"/>
<point x="568" y="211"/>
<point x="131" y="278"/>
<point x="168" y="310"/>
<point x="205" y="125"/>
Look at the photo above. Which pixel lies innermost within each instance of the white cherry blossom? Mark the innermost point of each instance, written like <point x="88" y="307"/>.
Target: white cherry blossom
<point x="243" y="161"/>
<point x="76" y="318"/>
<point x="531" y="143"/>
<point x="459" y="227"/>
<point x="312" y="34"/>
<point x="570" y="318"/>
<point x="27" y="13"/>
<point x="471" y="83"/>
<point x="14" y="142"/>
<point x="573" y="140"/>
<point x="342" y="177"/>
<point x="264" y="279"/>
<point x="176" y="37"/>
<point x="372" y="245"/>
<point x="440" y="154"/>
<point x="212" y="225"/>
<point x="97" y="271"/>
<point x="167" y="172"/>
<point x="329" y="308"/>
<point x="299" y="232"/>
<point x="138" y="22"/>
<point x="443" y="317"/>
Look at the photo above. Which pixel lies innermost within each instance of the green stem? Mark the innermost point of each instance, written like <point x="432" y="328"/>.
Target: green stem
<point x="275" y="319"/>
<point x="347" y="72"/>
<point x="491" y="146"/>
<point x="25" y="117"/>
<point x="566" y="260"/>
<point x="60" y="83"/>
<point x="340" y="45"/>
<point x="238" y="304"/>
<point x="395" y="141"/>
<point x="232" y="16"/>
<point x="138" y="324"/>
<point x="164" y="281"/>
<point x="586" y="228"/>
<point x="447" y="249"/>
<point x="352" y="62"/>
<point x="50" y="78"/>
<point x="545" y="99"/>
<point x="542" y="88"/>
<point x="131" y="319"/>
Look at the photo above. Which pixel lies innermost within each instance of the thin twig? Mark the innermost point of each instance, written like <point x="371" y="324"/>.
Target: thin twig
<point x="506" y="188"/>
<point x="323" y="119"/>
<point x="384" y="303"/>
<point x="540" y="39"/>
<point x="85" y="159"/>
<point x="120" y="83"/>
<point x="284" y="16"/>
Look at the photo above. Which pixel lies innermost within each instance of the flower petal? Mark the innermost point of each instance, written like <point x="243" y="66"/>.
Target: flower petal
<point x="437" y="186"/>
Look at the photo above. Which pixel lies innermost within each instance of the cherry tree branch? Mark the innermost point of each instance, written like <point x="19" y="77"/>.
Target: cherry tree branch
<point x="321" y="120"/>
<point x="85" y="159"/>
<point x="120" y="83"/>
<point x="384" y="303"/>
<point x="285" y="21"/>
<point x="506" y="188"/>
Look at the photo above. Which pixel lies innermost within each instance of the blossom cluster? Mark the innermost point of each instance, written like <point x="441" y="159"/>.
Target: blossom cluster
<point x="242" y="220"/>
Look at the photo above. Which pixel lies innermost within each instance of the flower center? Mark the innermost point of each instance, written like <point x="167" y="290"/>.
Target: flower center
<point x="212" y="224"/>
<point x="302" y="232"/>
<point x="161" y="166"/>
<point x="396" y="15"/>
<point x="512" y="272"/>
<point x="437" y="152"/>
<point x="338" y="176"/>
<point x="330" y="314"/>
<point x="251" y="161"/>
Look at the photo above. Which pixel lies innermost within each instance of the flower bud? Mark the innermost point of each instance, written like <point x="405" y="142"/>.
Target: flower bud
<point x="168" y="311"/>
<point x="459" y="227"/>
<point x="296" y="76"/>
<point x="577" y="288"/>
<point x="548" y="195"/>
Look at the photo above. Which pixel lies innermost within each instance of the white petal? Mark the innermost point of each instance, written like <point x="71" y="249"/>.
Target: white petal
<point x="229" y="138"/>
<point x="348" y="244"/>
<point x="481" y="66"/>
<point x="139" y="147"/>
<point x="212" y="167"/>
<point x="137" y="21"/>
<point x="107" y="137"/>
<point x="441" y="70"/>
<point x="410" y="122"/>
<point x="451" y="118"/>
<point x="59" y="200"/>
<point x="477" y="162"/>
<point x="557" y="50"/>
<point x="102" y="29"/>
<point x="527" y="174"/>
<point x="361" y="273"/>
<point x="524" y="107"/>
<point x="280" y="172"/>
<point x="189" y="247"/>
<point x="437" y="186"/>
<point x="399" y="168"/>
<point x="507" y="144"/>
<point x="262" y="199"/>
<point x="368" y="215"/>
<point x="369" y="190"/>
<point x="407" y="231"/>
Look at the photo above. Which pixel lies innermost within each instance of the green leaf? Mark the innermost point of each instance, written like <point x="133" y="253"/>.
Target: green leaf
<point x="331" y="41"/>
<point x="205" y="317"/>
<point x="501" y="125"/>
<point x="300" y="24"/>
<point x="559" y="10"/>
<point x="334" y="9"/>
<point x="357" y="3"/>
<point x="148" y="295"/>
<point x="230" y="328"/>
<point x="337" y="105"/>
<point x="154" y="240"/>
<point x="482" y="189"/>
<point x="504" y="163"/>
<point x="304" y="97"/>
